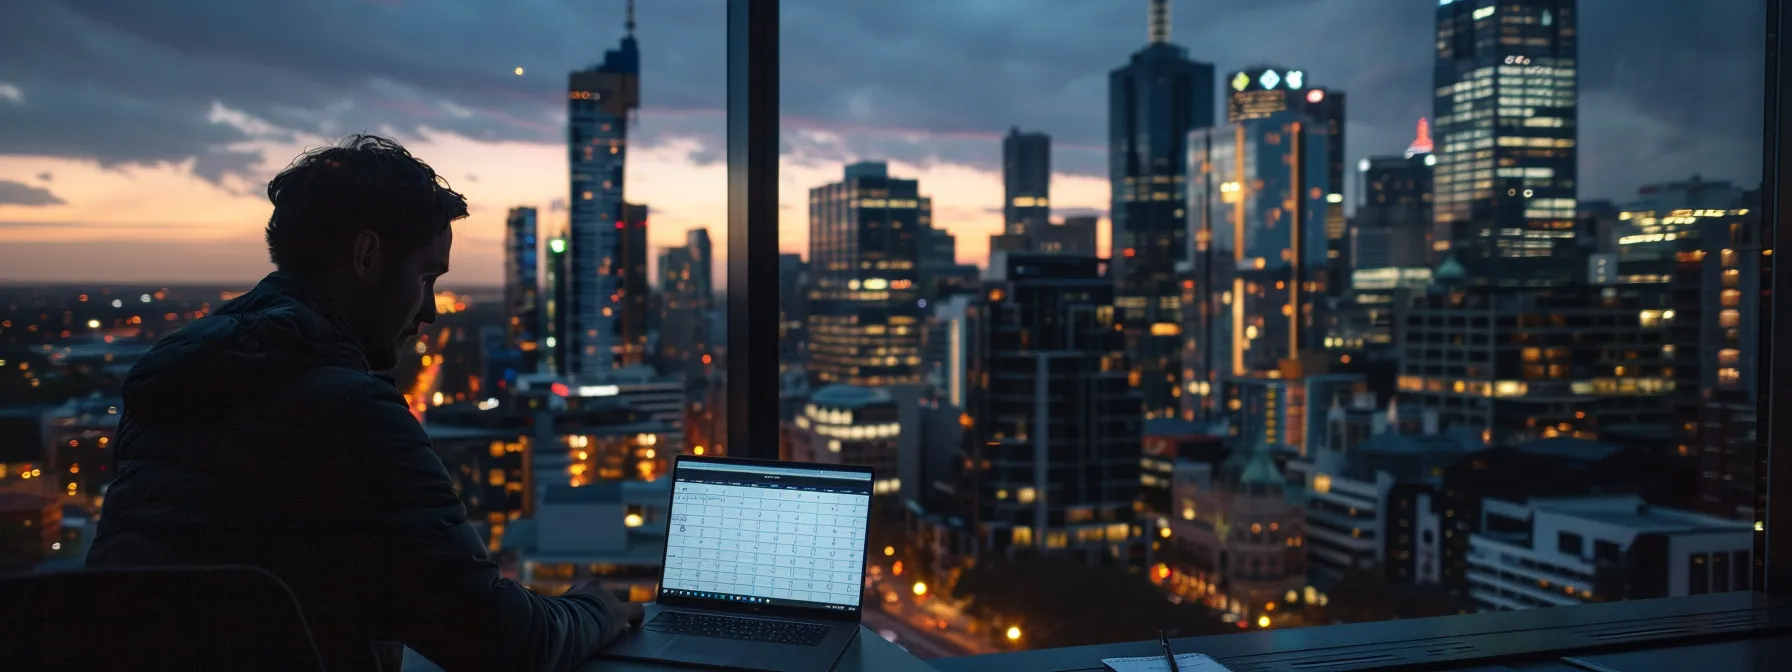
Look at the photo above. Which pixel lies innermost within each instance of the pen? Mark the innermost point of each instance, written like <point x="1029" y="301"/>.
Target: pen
<point x="1169" y="655"/>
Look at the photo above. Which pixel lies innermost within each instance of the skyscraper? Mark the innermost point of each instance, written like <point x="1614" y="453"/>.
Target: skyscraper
<point x="1506" y="115"/>
<point x="1393" y="217"/>
<point x="793" y="307"/>
<point x="939" y="257"/>
<point x="1074" y="235"/>
<point x="703" y="258"/>
<point x="1153" y="103"/>
<point x="522" y="280"/>
<point x="865" y="237"/>
<point x="686" y="295"/>
<point x="631" y="328"/>
<point x="1258" y="208"/>
<point x="1697" y="241"/>
<point x="1264" y="91"/>
<point x="600" y="100"/>
<point x="1325" y="110"/>
<point x="557" y="320"/>
<point x="1052" y="418"/>
<point x="1388" y="257"/>
<point x="1026" y="182"/>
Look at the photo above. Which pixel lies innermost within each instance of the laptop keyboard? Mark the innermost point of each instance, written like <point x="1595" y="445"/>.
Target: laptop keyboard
<point x="730" y="627"/>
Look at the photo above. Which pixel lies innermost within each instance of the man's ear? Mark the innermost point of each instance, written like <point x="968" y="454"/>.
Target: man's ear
<point x="369" y="255"/>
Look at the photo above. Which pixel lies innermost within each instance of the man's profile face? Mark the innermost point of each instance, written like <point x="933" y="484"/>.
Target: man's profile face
<point x="406" y="301"/>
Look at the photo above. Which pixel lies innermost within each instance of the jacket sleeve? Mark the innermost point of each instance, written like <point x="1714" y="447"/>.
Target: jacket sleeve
<point x="434" y="586"/>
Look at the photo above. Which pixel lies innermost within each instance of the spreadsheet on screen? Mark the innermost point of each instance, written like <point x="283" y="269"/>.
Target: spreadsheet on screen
<point x="799" y="540"/>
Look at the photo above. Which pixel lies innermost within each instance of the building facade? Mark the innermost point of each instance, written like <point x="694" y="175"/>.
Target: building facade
<point x="556" y="311"/>
<point x="1287" y="410"/>
<point x="1238" y="541"/>
<point x="1257" y="205"/>
<point x="687" y="294"/>
<point x="1506" y="119"/>
<point x="1517" y="365"/>
<point x="601" y="101"/>
<point x="522" y="279"/>
<point x="1053" y="430"/>
<point x="1569" y="551"/>
<point x="633" y="286"/>
<point x="1026" y="182"/>
<point x="1154" y="101"/>
<point x="865" y="237"/>
<point x="1265" y="91"/>
<point x="1073" y="235"/>
<point x="1393" y="220"/>
<point x="858" y="426"/>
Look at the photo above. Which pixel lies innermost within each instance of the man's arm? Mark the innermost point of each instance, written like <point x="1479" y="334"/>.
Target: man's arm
<point x="435" y="588"/>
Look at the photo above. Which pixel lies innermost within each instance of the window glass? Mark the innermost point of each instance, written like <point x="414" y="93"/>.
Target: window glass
<point x="1275" y="316"/>
<point x="578" y="338"/>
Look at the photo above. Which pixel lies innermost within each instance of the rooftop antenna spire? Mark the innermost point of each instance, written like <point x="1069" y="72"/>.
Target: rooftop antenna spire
<point x="1160" y="21"/>
<point x="631" y="18"/>
<point x="1422" y="143"/>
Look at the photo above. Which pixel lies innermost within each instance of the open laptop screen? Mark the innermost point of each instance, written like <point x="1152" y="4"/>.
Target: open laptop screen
<point x="767" y="535"/>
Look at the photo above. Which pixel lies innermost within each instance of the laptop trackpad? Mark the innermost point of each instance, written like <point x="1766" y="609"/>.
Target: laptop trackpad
<point x="697" y="650"/>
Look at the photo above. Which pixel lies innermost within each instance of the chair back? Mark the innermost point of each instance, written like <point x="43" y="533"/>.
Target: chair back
<point x="162" y="618"/>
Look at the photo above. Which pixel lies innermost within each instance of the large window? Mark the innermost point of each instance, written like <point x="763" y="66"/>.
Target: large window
<point x="1148" y="315"/>
<point x="580" y="332"/>
<point x="1279" y="316"/>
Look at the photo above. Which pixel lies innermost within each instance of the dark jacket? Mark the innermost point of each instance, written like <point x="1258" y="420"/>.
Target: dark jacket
<point x="257" y="436"/>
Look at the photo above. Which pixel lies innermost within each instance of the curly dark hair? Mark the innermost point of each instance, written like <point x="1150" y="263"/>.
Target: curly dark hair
<point x="329" y="195"/>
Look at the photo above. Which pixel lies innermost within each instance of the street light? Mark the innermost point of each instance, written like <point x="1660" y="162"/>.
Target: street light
<point x="1263" y="621"/>
<point x="920" y="589"/>
<point x="889" y="550"/>
<point x="1013" y="633"/>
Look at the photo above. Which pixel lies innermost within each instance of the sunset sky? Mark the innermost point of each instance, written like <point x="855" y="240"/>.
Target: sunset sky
<point x="136" y="140"/>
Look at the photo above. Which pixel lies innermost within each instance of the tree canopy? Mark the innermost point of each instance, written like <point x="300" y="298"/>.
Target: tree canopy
<point x="1061" y="601"/>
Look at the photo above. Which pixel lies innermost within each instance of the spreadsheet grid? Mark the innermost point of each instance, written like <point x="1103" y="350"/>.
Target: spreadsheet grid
<point x="766" y="542"/>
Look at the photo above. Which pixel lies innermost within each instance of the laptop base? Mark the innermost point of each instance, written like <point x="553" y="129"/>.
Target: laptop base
<point x="734" y="654"/>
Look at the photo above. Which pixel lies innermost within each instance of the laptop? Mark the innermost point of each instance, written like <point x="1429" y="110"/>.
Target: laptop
<point x="764" y="566"/>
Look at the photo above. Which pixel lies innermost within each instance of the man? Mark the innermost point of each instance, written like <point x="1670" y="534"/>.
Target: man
<point x="262" y="435"/>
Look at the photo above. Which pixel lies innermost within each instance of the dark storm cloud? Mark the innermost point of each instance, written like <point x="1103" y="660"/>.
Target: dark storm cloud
<point x="1669" y="87"/>
<point x="19" y="193"/>
<point x="124" y="82"/>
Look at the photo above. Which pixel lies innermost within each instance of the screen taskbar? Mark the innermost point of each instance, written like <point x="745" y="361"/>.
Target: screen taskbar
<point x="755" y="599"/>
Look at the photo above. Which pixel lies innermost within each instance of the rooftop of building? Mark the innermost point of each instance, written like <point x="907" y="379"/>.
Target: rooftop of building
<point x="1178" y="427"/>
<point x="439" y="431"/>
<point x="1575" y="449"/>
<point x="1454" y="440"/>
<point x="1632" y="513"/>
<point x="607" y="492"/>
<point x="594" y="416"/>
<point x="850" y="396"/>
<point x="523" y="536"/>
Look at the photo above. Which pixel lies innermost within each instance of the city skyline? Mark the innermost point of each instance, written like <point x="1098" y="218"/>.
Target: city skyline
<point x="1303" y="379"/>
<point x="210" y="132"/>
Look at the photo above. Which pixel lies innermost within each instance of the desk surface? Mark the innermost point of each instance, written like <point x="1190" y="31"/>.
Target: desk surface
<point x="867" y="653"/>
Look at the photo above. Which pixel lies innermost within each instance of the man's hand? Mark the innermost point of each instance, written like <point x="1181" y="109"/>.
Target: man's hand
<point x="622" y="616"/>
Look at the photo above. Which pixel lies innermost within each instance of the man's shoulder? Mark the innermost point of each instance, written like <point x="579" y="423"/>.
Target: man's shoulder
<point x="339" y="389"/>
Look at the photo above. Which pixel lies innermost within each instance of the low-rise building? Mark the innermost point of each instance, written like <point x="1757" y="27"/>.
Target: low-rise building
<point x="1563" y="552"/>
<point x="614" y="531"/>
<point x="1238" y="541"/>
